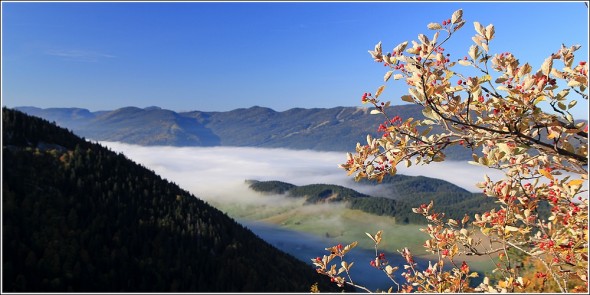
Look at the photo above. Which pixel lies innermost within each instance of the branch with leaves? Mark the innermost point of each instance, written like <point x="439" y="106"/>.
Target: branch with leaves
<point x="514" y="119"/>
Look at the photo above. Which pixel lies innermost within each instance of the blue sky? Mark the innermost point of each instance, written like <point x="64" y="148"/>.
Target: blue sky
<point x="221" y="56"/>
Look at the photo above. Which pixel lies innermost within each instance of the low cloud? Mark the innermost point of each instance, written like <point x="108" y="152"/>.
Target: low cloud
<point x="218" y="173"/>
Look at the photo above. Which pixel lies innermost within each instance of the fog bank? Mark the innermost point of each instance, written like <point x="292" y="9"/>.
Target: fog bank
<point x="217" y="173"/>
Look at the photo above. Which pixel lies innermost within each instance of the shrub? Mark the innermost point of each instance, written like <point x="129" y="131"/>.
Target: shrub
<point x="513" y="119"/>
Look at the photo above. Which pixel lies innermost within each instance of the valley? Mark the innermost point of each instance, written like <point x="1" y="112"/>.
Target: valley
<point x="218" y="175"/>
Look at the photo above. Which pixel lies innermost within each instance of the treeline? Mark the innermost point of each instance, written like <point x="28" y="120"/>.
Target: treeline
<point x="78" y="217"/>
<point x="407" y="192"/>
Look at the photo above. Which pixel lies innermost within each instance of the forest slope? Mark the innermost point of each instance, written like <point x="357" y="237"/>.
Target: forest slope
<point x="78" y="217"/>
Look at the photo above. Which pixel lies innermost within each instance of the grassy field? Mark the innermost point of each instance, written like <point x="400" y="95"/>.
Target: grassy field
<point x="344" y="226"/>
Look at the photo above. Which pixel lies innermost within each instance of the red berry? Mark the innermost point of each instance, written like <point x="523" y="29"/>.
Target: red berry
<point x="582" y="63"/>
<point x="459" y="82"/>
<point x="480" y="98"/>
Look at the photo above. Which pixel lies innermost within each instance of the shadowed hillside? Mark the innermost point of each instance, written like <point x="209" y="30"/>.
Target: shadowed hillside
<point x="80" y="218"/>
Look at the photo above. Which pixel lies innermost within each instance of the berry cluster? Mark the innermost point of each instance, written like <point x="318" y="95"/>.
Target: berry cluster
<point x="365" y="97"/>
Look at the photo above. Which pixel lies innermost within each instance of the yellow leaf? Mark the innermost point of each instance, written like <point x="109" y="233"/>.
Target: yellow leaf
<point x="378" y="236"/>
<point x="479" y="28"/>
<point x="545" y="173"/>
<point x="407" y="98"/>
<point x="539" y="99"/>
<point x="456" y="17"/>
<point x="552" y="135"/>
<point x="371" y="236"/>
<point x="473" y="52"/>
<point x="434" y="26"/>
<point x="379" y="91"/>
<point x="435" y="37"/>
<point x="511" y="228"/>
<point x="484" y="78"/>
<point x="464" y="63"/>
<point x="423" y="39"/>
<point x="387" y="75"/>
<point x="575" y="182"/>
<point x="454" y="250"/>
<point x="547" y="65"/>
<point x="490" y="32"/>
<point x="524" y="69"/>
<point x="485" y="47"/>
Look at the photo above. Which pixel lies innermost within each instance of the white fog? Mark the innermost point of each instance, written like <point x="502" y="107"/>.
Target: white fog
<point x="219" y="172"/>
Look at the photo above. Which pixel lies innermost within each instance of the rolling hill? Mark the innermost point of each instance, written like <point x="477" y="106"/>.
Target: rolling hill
<point x="406" y="192"/>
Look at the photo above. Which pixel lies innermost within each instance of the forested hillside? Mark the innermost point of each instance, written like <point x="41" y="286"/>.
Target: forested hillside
<point x="80" y="218"/>
<point x="407" y="192"/>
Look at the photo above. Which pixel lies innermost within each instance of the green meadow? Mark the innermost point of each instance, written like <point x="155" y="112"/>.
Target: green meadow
<point x="344" y="226"/>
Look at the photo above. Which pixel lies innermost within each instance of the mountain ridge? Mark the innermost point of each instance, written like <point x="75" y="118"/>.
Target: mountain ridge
<point x="323" y="129"/>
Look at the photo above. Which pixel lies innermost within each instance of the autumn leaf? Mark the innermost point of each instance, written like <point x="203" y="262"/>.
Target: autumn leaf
<point x="545" y="173"/>
<point x="434" y="26"/>
<point x="379" y="91"/>
<point x="457" y="15"/>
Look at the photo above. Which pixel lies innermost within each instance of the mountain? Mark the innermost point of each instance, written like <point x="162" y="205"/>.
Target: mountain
<point x="78" y="217"/>
<point x="332" y="129"/>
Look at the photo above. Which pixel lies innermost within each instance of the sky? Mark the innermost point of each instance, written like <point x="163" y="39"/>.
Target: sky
<point x="219" y="56"/>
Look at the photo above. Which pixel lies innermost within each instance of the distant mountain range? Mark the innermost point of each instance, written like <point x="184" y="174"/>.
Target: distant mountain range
<point x="332" y="129"/>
